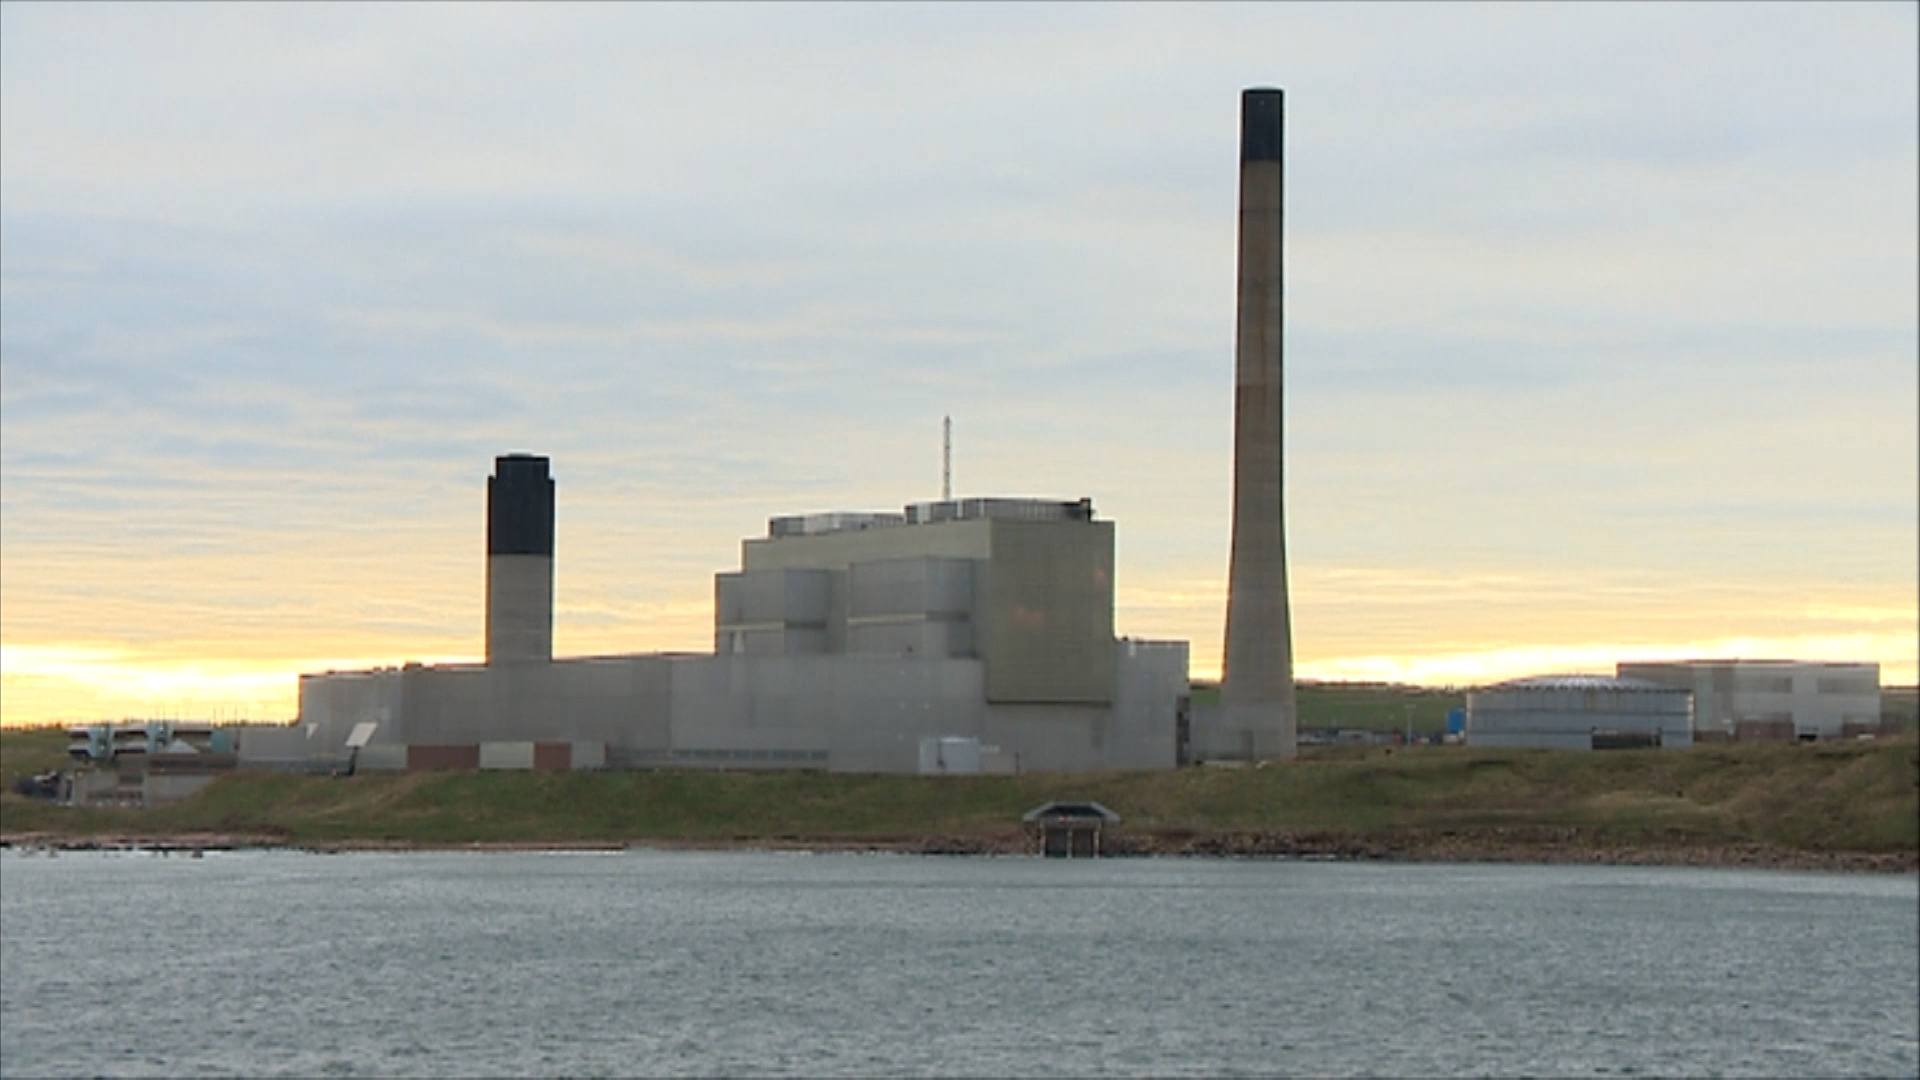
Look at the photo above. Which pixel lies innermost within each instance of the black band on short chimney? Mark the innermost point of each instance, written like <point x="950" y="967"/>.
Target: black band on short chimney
<point x="520" y="507"/>
<point x="1263" y="115"/>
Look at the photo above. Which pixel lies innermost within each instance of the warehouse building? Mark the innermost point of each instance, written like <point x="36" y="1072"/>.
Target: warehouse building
<point x="1772" y="699"/>
<point x="1579" y="712"/>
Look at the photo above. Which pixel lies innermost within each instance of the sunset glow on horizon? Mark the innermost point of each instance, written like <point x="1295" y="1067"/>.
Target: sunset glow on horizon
<point x="107" y="680"/>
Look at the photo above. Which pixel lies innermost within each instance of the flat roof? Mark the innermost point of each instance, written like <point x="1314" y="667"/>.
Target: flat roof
<point x="1000" y="507"/>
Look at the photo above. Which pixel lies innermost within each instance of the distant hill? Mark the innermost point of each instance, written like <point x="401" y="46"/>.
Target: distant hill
<point x="1364" y="706"/>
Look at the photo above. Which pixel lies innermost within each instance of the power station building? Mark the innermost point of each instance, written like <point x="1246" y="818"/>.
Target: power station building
<point x="845" y="641"/>
<point x="969" y="630"/>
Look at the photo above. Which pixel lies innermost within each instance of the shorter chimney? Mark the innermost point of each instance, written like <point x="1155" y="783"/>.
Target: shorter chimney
<point x="519" y="561"/>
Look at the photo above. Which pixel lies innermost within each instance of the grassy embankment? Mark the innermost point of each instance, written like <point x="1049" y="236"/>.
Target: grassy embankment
<point x="1852" y="803"/>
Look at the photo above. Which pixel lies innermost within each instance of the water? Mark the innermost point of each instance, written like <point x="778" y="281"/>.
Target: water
<point x="254" y="963"/>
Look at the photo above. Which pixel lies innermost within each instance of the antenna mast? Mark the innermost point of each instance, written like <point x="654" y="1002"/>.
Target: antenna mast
<point x="946" y="459"/>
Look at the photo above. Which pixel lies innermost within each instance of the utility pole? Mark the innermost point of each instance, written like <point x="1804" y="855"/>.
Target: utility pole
<point x="946" y="459"/>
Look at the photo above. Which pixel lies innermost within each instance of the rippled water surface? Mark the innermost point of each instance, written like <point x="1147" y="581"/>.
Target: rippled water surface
<point x="254" y="963"/>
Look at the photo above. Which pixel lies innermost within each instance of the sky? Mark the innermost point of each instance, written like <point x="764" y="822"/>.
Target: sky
<point x="1601" y="338"/>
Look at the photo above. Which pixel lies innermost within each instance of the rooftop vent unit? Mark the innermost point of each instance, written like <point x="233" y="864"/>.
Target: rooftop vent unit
<point x="831" y="522"/>
<point x="927" y="513"/>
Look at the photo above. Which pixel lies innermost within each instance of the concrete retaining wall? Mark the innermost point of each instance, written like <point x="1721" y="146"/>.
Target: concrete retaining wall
<point x="171" y="787"/>
<point x="381" y="757"/>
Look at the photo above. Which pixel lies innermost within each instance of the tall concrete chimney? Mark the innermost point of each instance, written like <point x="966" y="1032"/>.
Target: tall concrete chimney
<point x="1256" y="688"/>
<point x="519" y="561"/>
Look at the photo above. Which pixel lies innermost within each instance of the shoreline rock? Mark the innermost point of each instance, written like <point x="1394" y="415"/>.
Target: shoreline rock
<point x="1173" y="843"/>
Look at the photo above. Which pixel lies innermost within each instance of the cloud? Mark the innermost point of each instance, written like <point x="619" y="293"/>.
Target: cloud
<point x="1614" y="295"/>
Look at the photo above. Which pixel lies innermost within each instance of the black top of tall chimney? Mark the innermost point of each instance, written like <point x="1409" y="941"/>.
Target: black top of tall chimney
<point x="520" y="506"/>
<point x="1263" y="121"/>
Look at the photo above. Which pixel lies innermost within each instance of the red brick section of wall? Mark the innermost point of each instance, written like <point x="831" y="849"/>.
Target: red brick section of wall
<point x="552" y="756"/>
<point x="1886" y="725"/>
<point x="459" y="756"/>
<point x="1774" y="730"/>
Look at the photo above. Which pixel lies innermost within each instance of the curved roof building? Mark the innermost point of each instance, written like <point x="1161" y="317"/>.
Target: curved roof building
<point x="1579" y="712"/>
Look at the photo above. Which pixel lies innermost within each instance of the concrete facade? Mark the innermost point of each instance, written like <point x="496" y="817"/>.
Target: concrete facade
<point x="847" y="713"/>
<point x="1578" y="712"/>
<point x="1026" y="586"/>
<point x="1257" y="717"/>
<point x="519" y="609"/>
<point x="1801" y="699"/>
<point x="908" y="607"/>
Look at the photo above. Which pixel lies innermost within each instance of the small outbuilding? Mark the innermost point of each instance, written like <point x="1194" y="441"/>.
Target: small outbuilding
<point x="1069" y="829"/>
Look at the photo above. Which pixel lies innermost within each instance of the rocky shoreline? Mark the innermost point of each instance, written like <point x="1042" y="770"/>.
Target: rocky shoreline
<point x="1533" y="846"/>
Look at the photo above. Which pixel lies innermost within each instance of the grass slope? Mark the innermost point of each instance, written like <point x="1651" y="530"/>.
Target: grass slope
<point x="1365" y="706"/>
<point x="1901" y="704"/>
<point x="1853" y="797"/>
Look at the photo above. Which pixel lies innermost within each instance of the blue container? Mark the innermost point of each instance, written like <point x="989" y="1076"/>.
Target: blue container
<point x="1456" y="721"/>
